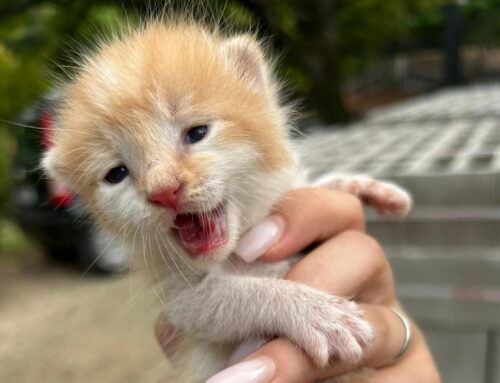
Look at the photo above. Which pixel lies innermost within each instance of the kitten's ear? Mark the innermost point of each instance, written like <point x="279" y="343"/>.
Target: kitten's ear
<point x="244" y="54"/>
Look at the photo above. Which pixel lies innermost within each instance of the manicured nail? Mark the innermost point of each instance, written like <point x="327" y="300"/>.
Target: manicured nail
<point x="245" y="349"/>
<point x="259" y="370"/>
<point x="260" y="238"/>
<point x="167" y="335"/>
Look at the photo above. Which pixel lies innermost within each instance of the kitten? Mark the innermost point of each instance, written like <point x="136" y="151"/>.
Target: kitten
<point x="175" y="137"/>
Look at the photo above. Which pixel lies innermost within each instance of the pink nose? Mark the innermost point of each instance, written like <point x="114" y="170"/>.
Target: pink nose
<point x="167" y="197"/>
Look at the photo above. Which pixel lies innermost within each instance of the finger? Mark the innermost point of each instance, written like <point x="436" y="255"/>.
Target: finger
<point x="389" y="337"/>
<point x="289" y="364"/>
<point x="302" y="217"/>
<point x="415" y="366"/>
<point x="277" y="361"/>
<point x="167" y="335"/>
<point x="352" y="264"/>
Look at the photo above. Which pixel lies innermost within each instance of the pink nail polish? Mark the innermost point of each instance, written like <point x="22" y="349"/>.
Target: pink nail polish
<point x="259" y="370"/>
<point x="245" y="349"/>
<point x="260" y="238"/>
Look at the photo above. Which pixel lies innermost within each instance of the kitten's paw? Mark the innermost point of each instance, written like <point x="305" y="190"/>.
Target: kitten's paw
<point x="333" y="327"/>
<point x="387" y="198"/>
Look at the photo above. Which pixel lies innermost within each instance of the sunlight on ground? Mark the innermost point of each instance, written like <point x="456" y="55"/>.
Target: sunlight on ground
<point x="60" y="326"/>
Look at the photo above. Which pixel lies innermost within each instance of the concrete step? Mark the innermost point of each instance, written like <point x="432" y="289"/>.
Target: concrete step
<point x="440" y="226"/>
<point x="460" y="190"/>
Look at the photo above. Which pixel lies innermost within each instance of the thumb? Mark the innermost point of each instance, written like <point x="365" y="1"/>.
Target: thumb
<point x="278" y="361"/>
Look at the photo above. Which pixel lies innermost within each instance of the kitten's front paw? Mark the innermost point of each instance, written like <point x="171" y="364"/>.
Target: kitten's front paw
<point x="333" y="327"/>
<point x="387" y="198"/>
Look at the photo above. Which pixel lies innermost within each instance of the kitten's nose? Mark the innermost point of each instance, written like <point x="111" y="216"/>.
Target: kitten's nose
<point x="167" y="196"/>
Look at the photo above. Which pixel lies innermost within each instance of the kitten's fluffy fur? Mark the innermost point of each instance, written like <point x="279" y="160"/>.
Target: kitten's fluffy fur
<point x="131" y="104"/>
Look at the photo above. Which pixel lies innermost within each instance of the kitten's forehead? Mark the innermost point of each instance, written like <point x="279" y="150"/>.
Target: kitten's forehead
<point x="172" y="73"/>
<point x="166" y="68"/>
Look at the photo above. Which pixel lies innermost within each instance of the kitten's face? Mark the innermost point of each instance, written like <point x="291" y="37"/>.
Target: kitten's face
<point x="174" y="138"/>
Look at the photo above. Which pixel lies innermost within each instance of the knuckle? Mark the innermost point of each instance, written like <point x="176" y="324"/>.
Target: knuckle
<point x="355" y="207"/>
<point x="293" y="200"/>
<point x="351" y="205"/>
<point x="433" y="377"/>
<point x="359" y="213"/>
<point x="369" y="249"/>
<point x="317" y="199"/>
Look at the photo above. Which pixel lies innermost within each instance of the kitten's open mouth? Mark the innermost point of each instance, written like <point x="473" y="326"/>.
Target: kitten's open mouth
<point x="201" y="233"/>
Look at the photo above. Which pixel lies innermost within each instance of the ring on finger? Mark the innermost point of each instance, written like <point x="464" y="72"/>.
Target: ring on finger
<point x="408" y="332"/>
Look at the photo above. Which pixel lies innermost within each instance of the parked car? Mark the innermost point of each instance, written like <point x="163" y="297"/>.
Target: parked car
<point x="45" y="209"/>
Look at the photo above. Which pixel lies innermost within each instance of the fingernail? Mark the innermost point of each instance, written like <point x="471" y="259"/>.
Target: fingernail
<point x="260" y="238"/>
<point x="245" y="349"/>
<point x="167" y="335"/>
<point x="259" y="370"/>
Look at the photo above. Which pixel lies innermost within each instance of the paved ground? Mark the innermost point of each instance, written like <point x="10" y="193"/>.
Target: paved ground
<point x="57" y="325"/>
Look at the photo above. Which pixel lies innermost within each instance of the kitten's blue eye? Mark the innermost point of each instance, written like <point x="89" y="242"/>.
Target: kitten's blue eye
<point x="196" y="134"/>
<point x="117" y="175"/>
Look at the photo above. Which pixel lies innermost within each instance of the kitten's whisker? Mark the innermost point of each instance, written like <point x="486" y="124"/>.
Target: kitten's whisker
<point x="165" y="260"/>
<point x="152" y="275"/>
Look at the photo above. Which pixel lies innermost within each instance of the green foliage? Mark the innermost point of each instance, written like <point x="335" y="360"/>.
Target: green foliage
<point x="32" y="41"/>
<point x="367" y="28"/>
<point x="481" y="22"/>
<point x="12" y="240"/>
<point x="23" y="79"/>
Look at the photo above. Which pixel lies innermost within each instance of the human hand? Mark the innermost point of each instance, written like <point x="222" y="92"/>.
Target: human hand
<point x="346" y="263"/>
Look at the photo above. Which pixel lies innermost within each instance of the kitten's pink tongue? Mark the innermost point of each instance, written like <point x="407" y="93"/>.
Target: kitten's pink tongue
<point x="201" y="234"/>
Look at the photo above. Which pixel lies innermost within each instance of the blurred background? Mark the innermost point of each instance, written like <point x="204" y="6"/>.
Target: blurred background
<point x="403" y="89"/>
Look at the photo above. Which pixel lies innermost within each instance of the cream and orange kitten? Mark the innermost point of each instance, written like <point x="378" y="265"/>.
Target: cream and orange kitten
<point x="175" y="137"/>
